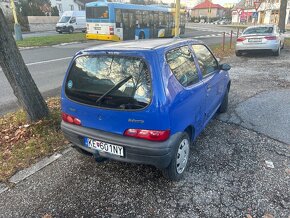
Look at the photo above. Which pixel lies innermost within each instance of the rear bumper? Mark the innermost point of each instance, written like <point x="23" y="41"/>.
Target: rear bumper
<point x="158" y="154"/>
<point x="274" y="46"/>
<point x="102" y="37"/>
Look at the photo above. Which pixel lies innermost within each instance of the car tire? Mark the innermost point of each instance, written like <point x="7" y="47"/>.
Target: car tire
<point x="141" y="35"/>
<point x="238" y="53"/>
<point x="282" y="45"/>
<point x="175" y="170"/>
<point x="224" y="105"/>
<point x="60" y="32"/>
<point x="70" y="30"/>
<point x="277" y="53"/>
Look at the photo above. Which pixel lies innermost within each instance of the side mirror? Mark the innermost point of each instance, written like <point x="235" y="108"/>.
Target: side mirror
<point x="225" y="67"/>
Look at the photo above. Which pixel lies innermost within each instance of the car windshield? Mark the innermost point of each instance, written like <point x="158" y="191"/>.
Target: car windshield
<point x="259" y="30"/>
<point x="97" y="12"/>
<point x="110" y="81"/>
<point x="64" y="19"/>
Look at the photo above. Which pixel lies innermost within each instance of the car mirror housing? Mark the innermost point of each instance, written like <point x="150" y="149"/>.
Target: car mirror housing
<point x="225" y="67"/>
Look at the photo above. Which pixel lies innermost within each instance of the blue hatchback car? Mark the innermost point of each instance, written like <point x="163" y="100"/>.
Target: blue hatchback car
<point x="143" y="101"/>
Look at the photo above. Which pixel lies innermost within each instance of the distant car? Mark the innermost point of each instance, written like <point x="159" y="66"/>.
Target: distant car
<point x="260" y="38"/>
<point x="71" y="21"/>
<point x="143" y="101"/>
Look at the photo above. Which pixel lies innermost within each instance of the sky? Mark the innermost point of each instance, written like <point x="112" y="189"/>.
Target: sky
<point x="221" y="2"/>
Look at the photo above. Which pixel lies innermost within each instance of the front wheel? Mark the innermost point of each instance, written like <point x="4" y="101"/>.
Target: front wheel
<point x="277" y="53"/>
<point x="175" y="170"/>
<point x="224" y="105"/>
<point x="70" y="30"/>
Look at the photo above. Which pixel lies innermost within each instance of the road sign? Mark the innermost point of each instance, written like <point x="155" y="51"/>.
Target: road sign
<point x="255" y="15"/>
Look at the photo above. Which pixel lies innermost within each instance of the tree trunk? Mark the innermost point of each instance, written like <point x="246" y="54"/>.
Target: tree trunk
<point x="282" y="15"/>
<point x="18" y="75"/>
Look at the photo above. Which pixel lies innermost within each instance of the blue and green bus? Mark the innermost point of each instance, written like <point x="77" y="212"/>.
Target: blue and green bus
<point x="120" y="21"/>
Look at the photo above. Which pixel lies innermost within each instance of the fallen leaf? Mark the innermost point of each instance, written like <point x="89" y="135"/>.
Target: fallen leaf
<point x="268" y="215"/>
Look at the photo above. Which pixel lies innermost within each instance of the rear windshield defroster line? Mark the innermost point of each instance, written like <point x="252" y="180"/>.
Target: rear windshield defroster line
<point x="109" y="81"/>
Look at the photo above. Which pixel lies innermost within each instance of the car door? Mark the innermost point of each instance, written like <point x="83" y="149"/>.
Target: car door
<point x="211" y="77"/>
<point x="187" y="89"/>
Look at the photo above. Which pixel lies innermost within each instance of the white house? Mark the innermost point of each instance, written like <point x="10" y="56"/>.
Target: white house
<point x="68" y="5"/>
<point x="269" y="12"/>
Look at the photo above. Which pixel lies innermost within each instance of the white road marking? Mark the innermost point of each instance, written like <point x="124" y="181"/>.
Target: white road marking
<point x="48" y="61"/>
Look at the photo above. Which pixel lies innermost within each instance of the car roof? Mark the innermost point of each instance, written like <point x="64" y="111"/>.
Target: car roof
<point x="265" y="25"/>
<point x="147" y="44"/>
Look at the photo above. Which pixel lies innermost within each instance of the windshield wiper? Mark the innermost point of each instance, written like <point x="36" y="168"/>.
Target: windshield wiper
<point x="118" y="85"/>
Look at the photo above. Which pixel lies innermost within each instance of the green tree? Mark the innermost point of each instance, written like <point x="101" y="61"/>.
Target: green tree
<point x="18" y="75"/>
<point x="34" y="7"/>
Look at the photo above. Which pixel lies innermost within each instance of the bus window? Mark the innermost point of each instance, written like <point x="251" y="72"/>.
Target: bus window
<point x="138" y="19"/>
<point x="151" y="18"/>
<point x="97" y="12"/>
<point x="145" y="18"/>
<point x="155" y="19"/>
<point x="125" y="19"/>
<point x="132" y="21"/>
<point x="118" y="18"/>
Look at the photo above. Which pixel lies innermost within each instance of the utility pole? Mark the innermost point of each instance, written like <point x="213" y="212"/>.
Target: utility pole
<point x="177" y="18"/>
<point x="17" y="27"/>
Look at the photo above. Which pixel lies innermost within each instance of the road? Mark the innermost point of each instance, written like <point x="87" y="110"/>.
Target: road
<point x="48" y="65"/>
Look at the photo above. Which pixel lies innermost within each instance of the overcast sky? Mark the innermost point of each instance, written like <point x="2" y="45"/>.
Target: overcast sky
<point x="221" y="2"/>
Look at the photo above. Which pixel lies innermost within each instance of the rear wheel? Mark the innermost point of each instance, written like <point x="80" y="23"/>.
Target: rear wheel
<point x="175" y="170"/>
<point x="141" y="35"/>
<point x="277" y="53"/>
<point x="238" y="53"/>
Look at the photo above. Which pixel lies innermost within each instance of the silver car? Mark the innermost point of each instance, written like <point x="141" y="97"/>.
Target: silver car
<point x="262" y="37"/>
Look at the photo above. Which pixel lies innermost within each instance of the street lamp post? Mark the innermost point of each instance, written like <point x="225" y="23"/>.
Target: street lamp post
<point x="17" y="27"/>
<point x="177" y="16"/>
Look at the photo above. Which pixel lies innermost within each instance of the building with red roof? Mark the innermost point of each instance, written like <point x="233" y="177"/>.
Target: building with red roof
<point x="208" y="9"/>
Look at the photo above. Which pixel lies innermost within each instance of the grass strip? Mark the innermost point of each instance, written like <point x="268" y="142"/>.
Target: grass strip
<point x="23" y="144"/>
<point x="52" y="40"/>
<point x="221" y="53"/>
<point x="287" y="42"/>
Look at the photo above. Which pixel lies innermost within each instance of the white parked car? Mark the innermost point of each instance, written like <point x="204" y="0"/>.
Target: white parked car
<point x="262" y="37"/>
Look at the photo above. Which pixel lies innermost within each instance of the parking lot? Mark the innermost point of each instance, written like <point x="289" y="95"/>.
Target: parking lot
<point x="239" y="166"/>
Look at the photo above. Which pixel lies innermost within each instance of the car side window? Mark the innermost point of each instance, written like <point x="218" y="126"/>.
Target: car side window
<point x="206" y="60"/>
<point x="182" y="66"/>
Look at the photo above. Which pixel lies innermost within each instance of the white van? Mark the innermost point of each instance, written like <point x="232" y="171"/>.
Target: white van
<point x="71" y="21"/>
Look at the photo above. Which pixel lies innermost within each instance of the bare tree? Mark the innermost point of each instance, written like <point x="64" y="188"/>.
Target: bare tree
<point x="18" y="75"/>
<point x="282" y="15"/>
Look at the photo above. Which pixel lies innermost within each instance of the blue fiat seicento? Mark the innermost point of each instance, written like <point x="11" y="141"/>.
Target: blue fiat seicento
<point x="143" y="101"/>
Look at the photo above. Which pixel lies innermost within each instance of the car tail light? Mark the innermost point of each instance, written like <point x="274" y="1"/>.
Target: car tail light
<point x="70" y="119"/>
<point x="111" y="29"/>
<point x="241" y="39"/>
<point x="271" y="37"/>
<point x="152" y="135"/>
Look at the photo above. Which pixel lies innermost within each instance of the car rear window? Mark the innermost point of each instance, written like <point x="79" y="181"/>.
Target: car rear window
<point x="109" y="81"/>
<point x="259" y="30"/>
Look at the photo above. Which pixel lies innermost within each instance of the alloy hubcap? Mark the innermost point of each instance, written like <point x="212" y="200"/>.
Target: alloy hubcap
<point x="182" y="156"/>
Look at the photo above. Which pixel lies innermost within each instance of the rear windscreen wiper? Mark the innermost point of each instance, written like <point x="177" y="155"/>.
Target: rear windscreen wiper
<point x="118" y="85"/>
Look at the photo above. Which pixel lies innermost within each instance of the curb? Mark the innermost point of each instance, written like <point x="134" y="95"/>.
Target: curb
<point x="25" y="173"/>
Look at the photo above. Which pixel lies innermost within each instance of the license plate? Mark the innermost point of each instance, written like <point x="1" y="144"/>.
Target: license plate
<point x="104" y="147"/>
<point x="254" y="40"/>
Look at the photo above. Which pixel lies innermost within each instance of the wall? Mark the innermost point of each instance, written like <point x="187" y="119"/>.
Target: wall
<point x="42" y="23"/>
